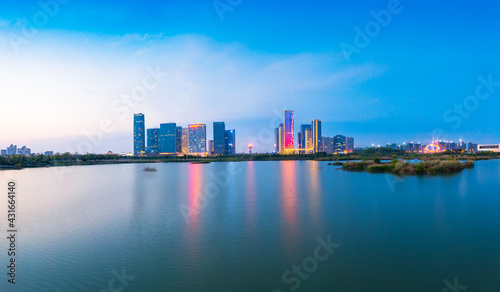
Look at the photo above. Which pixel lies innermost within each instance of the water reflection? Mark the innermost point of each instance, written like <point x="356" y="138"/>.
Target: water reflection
<point x="314" y="192"/>
<point x="251" y="199"/>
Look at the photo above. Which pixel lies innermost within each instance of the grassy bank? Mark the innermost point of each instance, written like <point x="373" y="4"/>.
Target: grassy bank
<point x="404" y="167"/>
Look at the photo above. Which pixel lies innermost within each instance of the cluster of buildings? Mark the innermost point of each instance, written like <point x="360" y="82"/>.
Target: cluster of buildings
<point x="172" y="140"/>
<point x="440" y="146"/>
<point x="309" y="139"/>
<point x="13" y="150"/>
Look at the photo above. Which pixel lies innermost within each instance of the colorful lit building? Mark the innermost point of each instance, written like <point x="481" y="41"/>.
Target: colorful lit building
<point x="288" y="128"/>
<point x="198" y="139"/>
<point x="316" y="135"/>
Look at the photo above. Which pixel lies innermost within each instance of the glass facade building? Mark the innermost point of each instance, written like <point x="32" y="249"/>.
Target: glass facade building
<point x="219" y="138"/>
<point x="230" y="142"/>
<point x="178" y="140"/>
<point x="316" y="135"/>
<point x="288" y="127"/>
<point x="197" y="139"/>
<point x="139" y="135"/>
<point x="167" y="139"/>
<point x="153" y="140"/>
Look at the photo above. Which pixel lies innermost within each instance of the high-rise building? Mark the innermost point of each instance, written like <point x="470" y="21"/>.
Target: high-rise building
<point x="316" y="135"/>
<point x="281" y="139"/>
<point x="153" y="140"/>
<point x="139" y="134"/>
<point x="24" y="151"/>
<point x="303" y="129"/>
<point x="277" y="140"/>
<point x="288" y="126"/>
<point x="327" y="144"/>
<point x="230" y="142"/>
<point x="219" y="138"/>
<point x="210" y="147"/>
<point x="178" y="140"/>
<point x="197" y="139"/>
<point x="349" y="145"/>
<point x="168" y="138"/>
<point x="339" y="144"/>
<point x="300" y="142"/>
<point x="185" y="141"/>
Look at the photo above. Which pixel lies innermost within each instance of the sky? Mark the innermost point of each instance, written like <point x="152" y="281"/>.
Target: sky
<point x="73" y="73"/>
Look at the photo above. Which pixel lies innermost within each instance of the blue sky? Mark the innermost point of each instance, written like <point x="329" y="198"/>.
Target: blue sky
<point x="259" y="58"/>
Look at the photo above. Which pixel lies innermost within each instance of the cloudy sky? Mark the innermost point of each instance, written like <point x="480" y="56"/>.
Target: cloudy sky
<point x="72" y="73"/>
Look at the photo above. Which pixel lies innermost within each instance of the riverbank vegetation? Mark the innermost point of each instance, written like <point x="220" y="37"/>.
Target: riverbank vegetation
<point x="401" y="167"/>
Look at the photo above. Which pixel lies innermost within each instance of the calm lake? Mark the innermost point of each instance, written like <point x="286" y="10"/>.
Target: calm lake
<point x="253" y="226"/>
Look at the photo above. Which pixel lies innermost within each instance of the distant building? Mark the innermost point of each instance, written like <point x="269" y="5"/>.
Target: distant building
<point x="488" y="148"/>
<point x="185" y="141"/>
<point x="24" y="151"/>
<point x="153" y="140"/>
<point x="349" y="145"/>
<point x="210" y="147"/>
<point x="12" y="150"/>
<point x="230" y="142"/>
<point x="197" y="139"/>
<point x="281" y="139"/>
<point x="139" y="135"/>
<point x="288" y="126"/>
<point x="3" y="152"/>
<point x="219" y="138"/>
<point x="316" y="135"/>
<point x="339" y="144"/>
<point x="178" y="140"/>
<point x="305" y="138"/>
<point x="49" y="153"/>
<point x="327" y="143"/>
<point x="471" y="147"/>
<point x="168" y="138"/>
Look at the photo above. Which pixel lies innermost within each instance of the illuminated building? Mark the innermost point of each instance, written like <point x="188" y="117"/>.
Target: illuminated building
<point x="230" y="142"/>
<point x="288" y="126"/>
<point x="281" y="137"/>
<point x="139" y="135"/>
<point x="250" y="148"/>
<point x="197" y="139"/>
<point x="316" y="135"/>
<point x="471" y="147"/>
<point x="167" y="138"/>
<point x="339" y="144"/>
<point x="327" y="144"/>
<point x="305" y="138"/>
<point x="219" y="138"/>
<point x="434" y="147"/>
<point x="488" y="148"/>
<point x="178" y="140"/>
<point x="153" y="140"/>
<point x="349" y="145"/>
<point x="185" y="141"/>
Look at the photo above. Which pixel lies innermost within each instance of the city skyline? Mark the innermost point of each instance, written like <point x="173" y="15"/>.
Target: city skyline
<point x="396" y="85"/>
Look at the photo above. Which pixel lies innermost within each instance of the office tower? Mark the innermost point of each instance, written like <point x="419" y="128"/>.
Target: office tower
<point x="316" y="135"/>
<point x="230" y="142"/>
<point x="339" y="144"/>
<point x="178" y="140"/>
<point x="167" y="139"/>
<point x="211" y="147"/>
<point x="219" y="138"/>
<point x="303" y="129"/>
<point x="462" y="145"/>
<point x="471" y="147"/>
<point x="197" y="139"/>
<point x="416" y="147"/>
<point x="153" y="140"/>
<point x="139" y="134"/>
<point x="3" y="152"/>
<point x="308" y="140"/>
<point x="185" y="141"/>
<point x="409" y="147"/>
<point x="349" y="145"/>
<point x="327" y="144"/>
<point x="288" y="126"/>
<point x="300" y="142"/>
<point x="281" y="139"/>
<point x="276" y="140"/>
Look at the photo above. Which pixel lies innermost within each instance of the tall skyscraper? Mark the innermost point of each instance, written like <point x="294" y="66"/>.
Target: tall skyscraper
<point x="139" y="135"/>
<point x="327" y="144"/>
<point x="308" y="140"/>
<point x="178" y="140"/>
<point x="210" y="147"/>
<point x="219" y="138"/>
<point x="167" y="138"/>
<point x="153" y="140"/>
<point x="230" y="142"/>
<point x="185" y="141"/>
<point x="316" y="135"/>
<point x="198" y="139"/>
<point x="288" y="126"/>
<point x="281" y="139"/>
<point x="305" y="133"/>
